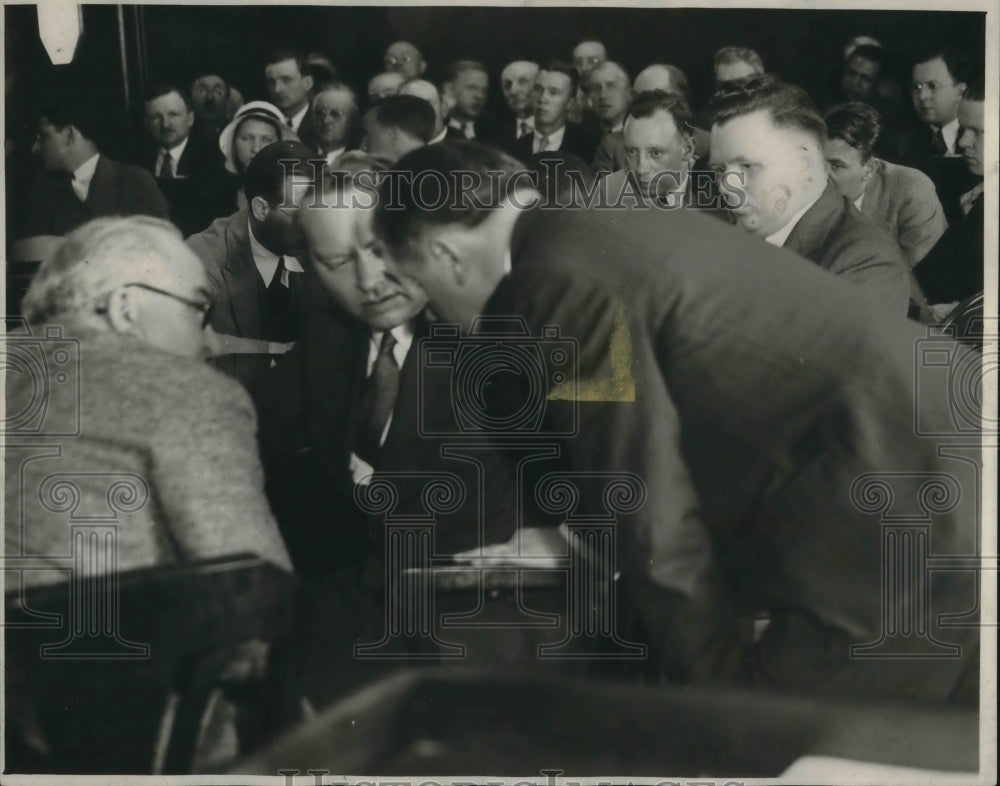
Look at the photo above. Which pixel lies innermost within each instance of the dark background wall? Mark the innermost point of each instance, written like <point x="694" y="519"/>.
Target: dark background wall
<point x="176" y="42"/>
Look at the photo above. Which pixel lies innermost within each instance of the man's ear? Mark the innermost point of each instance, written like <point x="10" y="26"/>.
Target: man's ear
<point x="869" y="169"/>
<point x="123" y="312"/>
<point x="445" y="253"/>
<point x="71" y="134"/>
<point x="260" y="208"/>
<point x="308" y="81"/>
<point x="690" y="146"/>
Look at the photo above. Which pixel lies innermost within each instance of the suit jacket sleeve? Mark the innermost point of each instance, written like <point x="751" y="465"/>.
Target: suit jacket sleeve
<point x="877" y="266"/>
<point x="207" y="471"/>
<point x="145" y="197"/>
<point x="664" y="550"/>
<point x="921" y="219"/>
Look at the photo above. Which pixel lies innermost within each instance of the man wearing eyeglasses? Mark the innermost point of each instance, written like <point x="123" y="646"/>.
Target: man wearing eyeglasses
<point x="404" y="58"/>
<point x="252" y="259"/>
<point x="129" y="305"/>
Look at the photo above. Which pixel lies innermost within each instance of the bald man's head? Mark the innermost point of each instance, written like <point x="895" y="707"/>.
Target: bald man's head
<point x="404" y="58"/>
<point x="661" y="76"/>
<point x="421" y="88"/>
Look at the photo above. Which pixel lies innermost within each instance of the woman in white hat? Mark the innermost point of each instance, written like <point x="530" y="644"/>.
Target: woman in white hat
<point x="255" y="126"/>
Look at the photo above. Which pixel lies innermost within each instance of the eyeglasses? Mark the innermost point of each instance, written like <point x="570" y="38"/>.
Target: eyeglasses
<point x="392" y="62"/>
<point x="205" y="309"/>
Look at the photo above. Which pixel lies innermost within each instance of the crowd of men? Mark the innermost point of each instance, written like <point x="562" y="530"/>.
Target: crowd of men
<point x="744" y="282"/>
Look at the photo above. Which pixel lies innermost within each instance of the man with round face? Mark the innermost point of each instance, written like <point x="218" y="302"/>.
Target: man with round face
<point x="972" y="119"/>
<point x="517" y="80"/>
<point x="289" y="84"/>
<point x="609" y="94"/>
<point x="404" y="58"/>
<point x="466" y="88"/>
<point x="555" y="91"/>
<point x="385" y="84"/>
<point x="937" y="88"/>
<point x="767" y="151"/>
<point x="169" y="120"/>
<point x="333" y="111"/>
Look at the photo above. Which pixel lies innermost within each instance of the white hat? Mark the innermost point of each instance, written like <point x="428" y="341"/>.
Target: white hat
<point x="260" y="110"/>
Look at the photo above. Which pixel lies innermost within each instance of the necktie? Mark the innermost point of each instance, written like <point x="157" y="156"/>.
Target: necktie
<point x="377" y="401"/>
<point x="938" y="147"/>
<point x="524" y="129"/>
<point x="279" y="297"/>
<point x="543" y="144"/>
<point x="167" y="167"/>
<point x="289" y="123"/>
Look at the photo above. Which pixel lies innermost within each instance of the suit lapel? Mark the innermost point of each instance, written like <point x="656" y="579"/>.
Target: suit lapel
<point x="871" y="205"/>
<point x="240" y="274"/>
<point x="335" y="356"/>
<point x="816" y="224"/>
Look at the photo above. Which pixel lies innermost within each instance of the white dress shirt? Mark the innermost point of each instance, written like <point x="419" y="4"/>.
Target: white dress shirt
<point x="82" y="176"/>
<point x="440" y="137"/>
<point x="175" y="154"/>
<point x="949" y="133"/>
<point x="779" y="237"/>
<point x="555" y="140"/>
<point x="266" y="261"/>
<point x="361" y="470"/>
<point x="298" y="117"/>
<point x="468" y="128"/>
<point x="860" y="201"/>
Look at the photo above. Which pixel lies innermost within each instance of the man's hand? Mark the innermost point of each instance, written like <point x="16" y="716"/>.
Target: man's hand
<point x="529" y="546"/>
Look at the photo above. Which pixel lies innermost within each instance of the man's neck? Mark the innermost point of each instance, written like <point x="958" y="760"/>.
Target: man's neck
<point x="328" y="148"/>
<point x="259" y="231"/>
<point x="546" y="129"/>
<point x="611" y="125"/>
<point x="296" y="109"/>
<point x="460" y="116"/>
<point x="80" y="155"/>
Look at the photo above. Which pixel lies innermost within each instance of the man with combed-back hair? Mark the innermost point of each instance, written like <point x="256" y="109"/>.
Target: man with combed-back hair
<point x="733" y="63"/>
<point x="398" y="124"/>
<point x="900" y="200"/>
<point x="767" y="140"/>
<point x="758" y="400"/>
<point x="137" y="302"/>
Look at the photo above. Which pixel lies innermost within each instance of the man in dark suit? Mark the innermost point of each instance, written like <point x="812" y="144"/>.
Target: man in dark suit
<point x="395" y="125"/>
<point x="343" y="405"/>
<point x="953" y="269"/>
<point x="611" y="155"/>
<point x="767" y="143"/>
<point x="556" y="86"/>
<point x="752" y="395"/>
<point x="289" y="87"/>
<point x="517" y="81"/>
<point x="252" y="256"/>
<point x="77" y="182"/>
<point x="187" y="166"/>
<point x="466" y="87"/>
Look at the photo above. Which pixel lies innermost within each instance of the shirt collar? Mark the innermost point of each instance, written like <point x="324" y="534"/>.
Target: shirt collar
<point x="781" y="236"/>
<point x="298" y="117"/>
<point x="266" y="260"/>
<point x="555" y="140"/>
<point x="404" y="338"/>
<point x="949" y="132"/>
<point x="176" y="151"/>
<point x="468" y="127"/>
<point x="440" y="137"/>
<point x="529" y="121"/>
<point x="859" y="201"/>
<point x="85" y="172"/>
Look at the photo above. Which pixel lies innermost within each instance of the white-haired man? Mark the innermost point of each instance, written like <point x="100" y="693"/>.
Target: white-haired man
<point x="134" y="301"/>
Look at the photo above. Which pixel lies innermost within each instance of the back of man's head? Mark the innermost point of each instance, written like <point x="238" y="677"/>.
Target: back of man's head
<point x="70" y="108"/>
<point x="493" y="173"/>
<point x="855" y="123"/>
<point x="406" y="113"/>
<point x="728" y="55"/>
<point x="269" y="170"/>
<point x="95" y="259"/>
<point x="648" y="103"/>
<point x="789" y="106"/>
<point x="869" y="52"/>
<point x="662" y="76"/>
